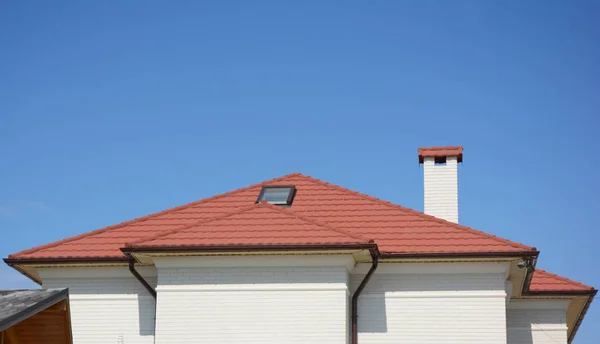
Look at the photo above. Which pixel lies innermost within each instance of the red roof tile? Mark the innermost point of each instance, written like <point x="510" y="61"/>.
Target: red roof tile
<point x="259" y="224"/>
<point x="322" y="213"/>
<point x="435" y="152"/>
<point x="545" y="281"/>
<point x="394" y="228"/>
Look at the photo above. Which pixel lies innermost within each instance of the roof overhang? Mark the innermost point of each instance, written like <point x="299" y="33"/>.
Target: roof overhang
<point x="27" y="266"/>
<point x="247" y="248"/>
<point x="579" y="302"/>
<point x="453" y="255"/>
<point x="144" y="254"/>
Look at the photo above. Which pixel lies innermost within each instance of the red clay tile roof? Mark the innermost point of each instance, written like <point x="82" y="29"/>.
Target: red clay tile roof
<point x="394" y="228"/>
<point x="259" y="224"/>
<point x="322" y="213"/>
<point x="545" y="281"/>
<point x="435" y="152"/>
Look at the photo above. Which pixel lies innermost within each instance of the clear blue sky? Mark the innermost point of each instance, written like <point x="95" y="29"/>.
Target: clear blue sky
<point x="110" y="111"/>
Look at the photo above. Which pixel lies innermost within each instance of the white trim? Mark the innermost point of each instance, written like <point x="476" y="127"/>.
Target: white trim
<point x="249" y="288"/>
<point x="96" y="297"/>
<point x="490" y="268"/>
<point x="540" y="328"/>
<point x="560" y="304"/>
<point x="435" y="294"/>
<point x="255" y="261"/>
<point x="94" y="272"/>
<point x="508" y="287"/>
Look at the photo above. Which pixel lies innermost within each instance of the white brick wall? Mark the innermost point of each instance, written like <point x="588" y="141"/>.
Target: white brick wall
<point x="432" y="303"/>
<point x="441" y="188"/>
<point x="107" y="304"/>
<point x="247" y="300"/>
<point x="537" y="321"/>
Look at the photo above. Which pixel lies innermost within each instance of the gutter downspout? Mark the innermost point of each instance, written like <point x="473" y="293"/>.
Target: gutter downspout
<point x="375" y="257"/>
<point x="139" y="277"/>
<point x="146" y="285"/>
<point x="529" y="275"/>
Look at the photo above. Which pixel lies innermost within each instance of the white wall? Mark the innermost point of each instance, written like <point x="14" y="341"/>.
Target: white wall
<point x="441" y="188"/>
<point x="537" y="321"/>
<point x="302" y="299"/>
<point x="252" y="300"/>
<point x="432" y="303"/>
<point x="107" y="304"/>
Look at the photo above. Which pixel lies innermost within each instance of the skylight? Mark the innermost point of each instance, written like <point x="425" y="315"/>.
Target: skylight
<point x="278" y="195"/>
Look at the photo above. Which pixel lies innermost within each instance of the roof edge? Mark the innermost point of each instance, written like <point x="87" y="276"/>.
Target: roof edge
<point x="16" y="263"/>
<point x="242" y="248"/>
<point x="499" y="254"/>
<point x="232" y="248"/>
<point x="550" y="292"/>
<point x="24" y="272"/>
<point x="11" y="261"/>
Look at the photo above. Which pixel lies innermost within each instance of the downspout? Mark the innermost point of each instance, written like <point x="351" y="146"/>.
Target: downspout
<point x="530" y="266"/>
<point x="139" y="277"/>
<point x="375" y="257"/>
<point x="146" y="285"/>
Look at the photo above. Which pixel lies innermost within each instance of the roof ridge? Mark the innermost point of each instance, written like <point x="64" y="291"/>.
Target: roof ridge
<point x="564" y="279"/>
<point x="263" y="204"/>
<point x="144" y="218"/>
<point x="418" y="213"/>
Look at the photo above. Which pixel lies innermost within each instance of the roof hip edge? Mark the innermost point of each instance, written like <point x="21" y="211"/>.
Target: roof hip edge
<point x="161" y="235"/>
<point x="262" y="204"/>
<point x="290" y="212"/>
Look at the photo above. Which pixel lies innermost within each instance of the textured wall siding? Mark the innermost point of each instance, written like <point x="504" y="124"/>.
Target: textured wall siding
<point x="204" y="300"/>
<point x="253" y="304"/>
<point x="107" y="304"/>
<point x="537" y="322"/>
<point x="441" y="189"/>
<point x="432" y="308"/>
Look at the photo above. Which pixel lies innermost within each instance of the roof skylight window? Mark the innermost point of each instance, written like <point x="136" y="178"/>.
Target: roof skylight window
<point x="277" y="194"/>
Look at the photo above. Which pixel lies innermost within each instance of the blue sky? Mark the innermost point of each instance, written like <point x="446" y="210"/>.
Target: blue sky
<point x="112" y="111"/>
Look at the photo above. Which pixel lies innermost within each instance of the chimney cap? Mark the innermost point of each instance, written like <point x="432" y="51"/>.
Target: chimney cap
<point x="436" y="152"/>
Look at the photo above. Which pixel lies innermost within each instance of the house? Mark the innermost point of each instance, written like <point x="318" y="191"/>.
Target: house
<point x="299" y="260"/>
<point x="39" y="316"/>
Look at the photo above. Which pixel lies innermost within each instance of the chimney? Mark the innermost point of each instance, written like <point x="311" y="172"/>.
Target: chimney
<point x="440" y="169"/>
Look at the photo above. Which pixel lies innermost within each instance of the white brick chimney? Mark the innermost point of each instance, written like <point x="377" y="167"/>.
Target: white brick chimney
<point x="440" y="169"/>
